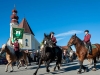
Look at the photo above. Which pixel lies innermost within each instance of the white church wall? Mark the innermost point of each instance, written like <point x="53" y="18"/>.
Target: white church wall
<point x="37" y="44"/>
<point x="26" y="41"/>
<point x="32" y="42"/>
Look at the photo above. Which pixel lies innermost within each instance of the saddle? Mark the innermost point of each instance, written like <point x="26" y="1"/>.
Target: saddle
<point x="90" y="48"/>
<point x="93" y="46"/>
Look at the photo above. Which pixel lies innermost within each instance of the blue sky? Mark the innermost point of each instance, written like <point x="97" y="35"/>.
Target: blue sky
<point x="64" y="17"/>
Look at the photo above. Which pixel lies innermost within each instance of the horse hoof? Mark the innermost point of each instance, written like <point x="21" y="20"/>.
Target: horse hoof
<point x="11" y="71"/>
<point x="48" y="70"/>
<point x="78" y="72"/>
<point x="25" y="67"/>
<point x="34" y="74"/>
<point x="94" y="69"/>
<point x="6" y="71"/>
<point x="85" y="70"/>
<point x="58" y="68"/>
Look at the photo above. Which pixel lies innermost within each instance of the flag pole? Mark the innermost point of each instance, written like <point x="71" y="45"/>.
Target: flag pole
<point x="11" y="36"/>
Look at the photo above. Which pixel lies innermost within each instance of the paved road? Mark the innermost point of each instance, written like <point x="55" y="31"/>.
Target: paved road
<point x="66" y="69"/>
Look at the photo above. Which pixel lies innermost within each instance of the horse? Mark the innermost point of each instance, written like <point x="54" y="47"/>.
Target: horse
<point x="48" y="54"/>
<point x="82" y="52"/>
<point x="11" y="57"/>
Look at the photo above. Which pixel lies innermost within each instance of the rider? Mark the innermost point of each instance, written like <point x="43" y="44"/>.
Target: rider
<point x="16" y="48"/>
<point x="54" y="42"/>
<point x="87" y="41"/>
<point x="53" y="38"/>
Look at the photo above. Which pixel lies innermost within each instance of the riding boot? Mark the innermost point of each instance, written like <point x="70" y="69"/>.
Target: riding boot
<point x="90" y="50"/>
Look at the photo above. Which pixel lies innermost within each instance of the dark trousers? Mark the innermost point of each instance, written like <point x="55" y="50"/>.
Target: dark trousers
<point x="17" y="54"/>
<point x="89" y="47"/>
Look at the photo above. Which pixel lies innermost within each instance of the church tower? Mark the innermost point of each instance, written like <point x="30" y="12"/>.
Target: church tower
<point x="14" y="21"/>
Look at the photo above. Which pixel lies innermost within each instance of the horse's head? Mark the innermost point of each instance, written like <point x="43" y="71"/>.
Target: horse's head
<point x="3" y="49"/>
<point x="47" y="40"/>
<point x="72" y="40"/>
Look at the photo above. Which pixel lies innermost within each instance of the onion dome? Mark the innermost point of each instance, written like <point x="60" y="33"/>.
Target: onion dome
<point x="14" y="17"/>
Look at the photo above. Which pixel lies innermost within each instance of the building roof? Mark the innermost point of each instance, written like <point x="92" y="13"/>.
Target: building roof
<point x="24" y="24"/>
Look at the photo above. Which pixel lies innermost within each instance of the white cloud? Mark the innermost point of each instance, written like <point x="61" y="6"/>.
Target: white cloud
<point x="73" y="48"/>
<point x="58" y="39"/>
<point x="68" y="33"/>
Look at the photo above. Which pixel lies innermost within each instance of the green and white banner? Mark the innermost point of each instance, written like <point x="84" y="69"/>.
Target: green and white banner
<point x="18" y="33"/>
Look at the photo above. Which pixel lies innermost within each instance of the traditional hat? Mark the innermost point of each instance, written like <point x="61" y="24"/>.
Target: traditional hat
<point x="86" y="31"/>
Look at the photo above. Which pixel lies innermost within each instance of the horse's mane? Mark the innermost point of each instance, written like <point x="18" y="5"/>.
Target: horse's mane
<point x="9" y="48"/>
<point x="80" y="41"/>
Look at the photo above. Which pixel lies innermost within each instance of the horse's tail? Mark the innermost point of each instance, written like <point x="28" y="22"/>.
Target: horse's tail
<point x="98" y="47"/>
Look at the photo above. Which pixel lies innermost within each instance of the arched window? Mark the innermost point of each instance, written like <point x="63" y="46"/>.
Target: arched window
<point x="26" y="40"/>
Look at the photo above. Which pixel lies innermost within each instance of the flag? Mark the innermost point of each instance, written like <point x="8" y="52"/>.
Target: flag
<point x="18" y="33"/>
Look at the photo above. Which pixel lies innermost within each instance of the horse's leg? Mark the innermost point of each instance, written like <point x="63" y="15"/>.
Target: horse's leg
<point x="11" y="67"/>
<point x="85" y="68"/>
<point x="59" y="64"/>
<point x="47" y="66"/>
<point x="19" y="65"/>
<point x="60" y="59"/>
<point x="59" y="56"/>
<point x="40" y="61"/>
<point x="81" y="66"/>
<point x="55" y="65"/>
<point x="94" y="68"/>
<point x="6" y="69"/>
<point x="26" y="62"/>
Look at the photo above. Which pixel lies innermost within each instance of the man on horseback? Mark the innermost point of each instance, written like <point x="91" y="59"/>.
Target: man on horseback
<point x="53" y="38"/>
<point x="87" y="41"/>
<point x="16" y="48"/>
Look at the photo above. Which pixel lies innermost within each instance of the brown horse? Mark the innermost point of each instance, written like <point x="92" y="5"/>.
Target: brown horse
<point x="10" y="56"/>
<point x="82" y="52"/>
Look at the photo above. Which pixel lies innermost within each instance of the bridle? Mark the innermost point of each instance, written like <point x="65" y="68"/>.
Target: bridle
<point x="73" y="42"/>
<point x="48" y="43"/>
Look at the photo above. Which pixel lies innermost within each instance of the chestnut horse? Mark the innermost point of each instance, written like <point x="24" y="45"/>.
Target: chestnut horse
<point x="11" y="57"/>
<point x="82" y="52"/>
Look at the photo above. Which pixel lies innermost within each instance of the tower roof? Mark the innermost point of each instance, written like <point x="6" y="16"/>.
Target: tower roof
<point x="14" y="17"/>
<point x="24" y="24"/>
